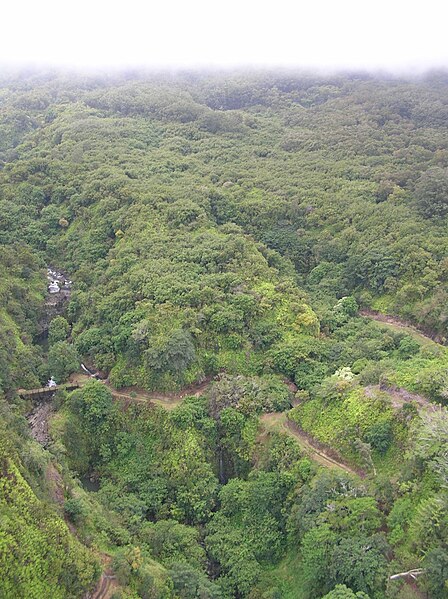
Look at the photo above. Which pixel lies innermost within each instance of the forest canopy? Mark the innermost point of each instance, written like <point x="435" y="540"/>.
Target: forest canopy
<point x="258" y="274"/>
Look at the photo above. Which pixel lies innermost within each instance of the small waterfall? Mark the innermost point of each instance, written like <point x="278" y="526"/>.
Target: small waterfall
<point x="87" y="370"/>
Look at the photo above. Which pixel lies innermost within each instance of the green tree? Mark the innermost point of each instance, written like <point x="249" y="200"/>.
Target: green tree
<point x="190" y="583"/>
<point x="340" y="591"/>
<point x="171" y="542"/>
<point x="380" y="436"/>
<point x="317" y="550"/>
<point x="431" y="193"/>
<point x="360" y="563"/>
<point x="62" y="360"/>
<point x="175" y="354"/>
<point x="436" y="565"/>
<point x="94" y="404"/>
<point x="58" y="330"/>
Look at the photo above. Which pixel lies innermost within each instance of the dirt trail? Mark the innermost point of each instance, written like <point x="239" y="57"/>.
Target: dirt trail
<point x="107" y="584"/>
<point x="166" y="400"/>
<point x="317" y="451"/>
<point x="323" y="455"/>
<point x="55" y="483"/>
<point x="399" y="397"/>
<point x="407" y="327"/>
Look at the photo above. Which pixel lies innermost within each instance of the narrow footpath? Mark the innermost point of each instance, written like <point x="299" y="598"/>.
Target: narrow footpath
<point x="276" y="421"/>
<point x="403" y="326"/>
<point x="134" y="394"/>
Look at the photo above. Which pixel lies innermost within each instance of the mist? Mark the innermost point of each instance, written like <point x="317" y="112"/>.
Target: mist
<point x="324" y="35"/>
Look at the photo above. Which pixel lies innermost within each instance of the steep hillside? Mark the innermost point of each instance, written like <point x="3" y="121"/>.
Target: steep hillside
<point x="269" y="251"/>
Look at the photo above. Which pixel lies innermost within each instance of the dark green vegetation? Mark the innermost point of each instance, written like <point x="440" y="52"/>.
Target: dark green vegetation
<point x="39" y="557"/>
<point x="226" y="229"/>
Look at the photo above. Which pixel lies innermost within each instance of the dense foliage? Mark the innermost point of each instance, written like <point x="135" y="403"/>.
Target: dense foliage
<point x="38" y="554"/>
<point x="223" y="233"/>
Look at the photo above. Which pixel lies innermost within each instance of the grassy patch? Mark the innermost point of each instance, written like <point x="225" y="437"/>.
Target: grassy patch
<point x="285" y="580"/>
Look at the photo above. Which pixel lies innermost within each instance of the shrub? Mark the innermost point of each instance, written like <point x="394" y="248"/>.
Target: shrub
<point x="408" y="347"/>
<point x="58" y="330"/>
<point x="380" y="436"/>
<point x="75" y="509"/>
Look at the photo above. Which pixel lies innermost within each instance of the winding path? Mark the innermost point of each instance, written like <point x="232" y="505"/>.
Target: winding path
<point x="272" y="421"/>
<point x="316" y="451"/>
<point x="400" y="325"/>
<point x="399" y="397"/>
<point x="166" y="400"/>
<point x="107" y="584"/>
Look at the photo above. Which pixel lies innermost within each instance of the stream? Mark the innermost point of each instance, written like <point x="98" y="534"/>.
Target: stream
<point x="59" y="288"/>
<point x="58" y="294"/>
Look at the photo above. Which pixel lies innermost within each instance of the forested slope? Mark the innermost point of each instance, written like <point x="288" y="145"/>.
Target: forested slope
<point x="227" y="228"/>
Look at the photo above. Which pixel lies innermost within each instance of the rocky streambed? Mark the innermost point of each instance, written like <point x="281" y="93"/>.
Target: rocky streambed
<point x="38" y="420"/>
<point x="59" y="288"/>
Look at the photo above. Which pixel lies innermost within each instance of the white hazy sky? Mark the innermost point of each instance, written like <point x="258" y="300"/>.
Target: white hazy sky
<point x="387" y="34"/>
